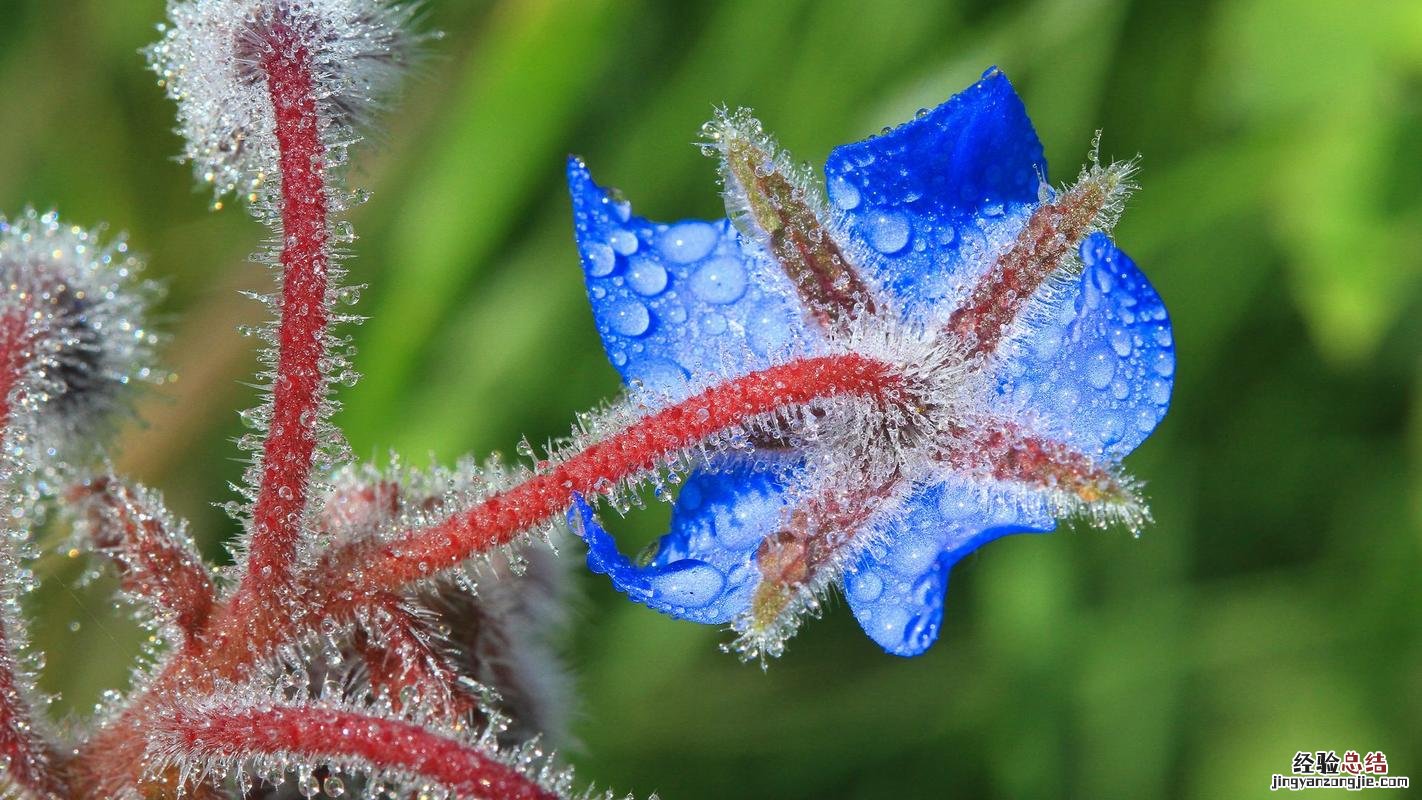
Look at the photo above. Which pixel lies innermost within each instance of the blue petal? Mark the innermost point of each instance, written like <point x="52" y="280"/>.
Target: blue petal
<point x="680" y="301"/>
<point x="897" y="592"/>
<point x="933" y="195"/>
<point x="704" y="569"/>
<point x="1097" y="368"/>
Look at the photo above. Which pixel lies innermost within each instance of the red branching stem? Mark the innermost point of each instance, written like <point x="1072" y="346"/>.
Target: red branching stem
<point x="634" y="450"/>
<point x="153" y="562"/>
<point x="299" y="390"/>
<point x="365" y="575"/>
<point x="324" y="734"/>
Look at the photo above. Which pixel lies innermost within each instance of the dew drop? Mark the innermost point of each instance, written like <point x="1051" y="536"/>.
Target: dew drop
<point x="843" y="194"/>
<point x="888" y="232"/>
<point x="1121" y="342"/>
<point x="866" y="587"/>
<point x="600" y="259"/>
<point x="623" y="242"/>
<point x="721" y="280"/>
<point x="1164" y="364"/>
<point x="767" y="329"/>
<point x="1159" y="392"/>
<point x="686" y="242"/>
<point x="630" y="318"/>
<point x="713" y="324"/>
<point x="647" y="278"/>
<point x="1112" y="429"/>
<point x="1100" y="368"/>
<point x="689" y="584"/>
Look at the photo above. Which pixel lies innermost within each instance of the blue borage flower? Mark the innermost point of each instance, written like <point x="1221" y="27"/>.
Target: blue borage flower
<point x="941" y="246"/>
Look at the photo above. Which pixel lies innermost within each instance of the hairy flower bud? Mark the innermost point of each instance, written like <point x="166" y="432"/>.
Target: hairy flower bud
<point x="213" y="60"/>
<point x="74" y="335"/>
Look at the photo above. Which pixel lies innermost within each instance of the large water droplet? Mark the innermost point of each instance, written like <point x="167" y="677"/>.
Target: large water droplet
<point x="630" y="318"/>
<point x="713" y="324"/>
<point x="1121" y="341"/>
<point x="865" y="587"/>
<point x="1112" y="429"/>
<point x="1159" y="392"/>
<point x="647" y="278"/>
<point x="1100" y="368"/>
<point x="1164" y="364"/>
<point x="888" y="232"/>
<point x="689" y="584"/>
<point x="843" y="193"/>
<point x="911" y="558"/>
<point x="686" y="242"/>
<point x="721" y="280"/>
<point x="624" y="242"/>
<point x="600" y="259"/>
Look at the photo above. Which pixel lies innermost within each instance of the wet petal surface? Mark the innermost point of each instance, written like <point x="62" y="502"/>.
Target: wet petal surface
<point x="931" y="199"/>
<point x="1097" y="365"/>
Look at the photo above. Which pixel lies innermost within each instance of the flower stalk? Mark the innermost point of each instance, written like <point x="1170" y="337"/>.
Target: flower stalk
<point x="299" y="390"/>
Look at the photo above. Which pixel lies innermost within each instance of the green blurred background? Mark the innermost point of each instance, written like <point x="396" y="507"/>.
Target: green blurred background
<point x="1274" y="606"/>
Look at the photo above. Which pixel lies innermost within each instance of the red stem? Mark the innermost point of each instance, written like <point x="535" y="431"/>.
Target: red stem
<point x="152" y="561"/>
<point x="636" y="449"/>
<point x="324" y="734"/>
<point x="300" y="386"/>
<point x="366" y="574"/>
<point x="25" y="755"/>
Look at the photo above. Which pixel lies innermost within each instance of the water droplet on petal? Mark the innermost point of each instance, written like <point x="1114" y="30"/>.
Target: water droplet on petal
<point x="1164" y="364"/>
<point x="689" y="584"/>
<point x="624" y="242"/>
<point x="888" y="232"/>
<point x="722" y="280"/>
<point x="630" y="318"/>
<point x="865" y="587"/>
<point x="600" y="259"/>
<point x="843" y="193"/>
<point x="768" y="328"/>
<point x="713" y="324"/>
<point x="647" y="278"/>
<point x="686" y="242"/>
<point x="1100" y="368"/>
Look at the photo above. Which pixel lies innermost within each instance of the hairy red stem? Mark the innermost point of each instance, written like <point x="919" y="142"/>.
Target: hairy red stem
<point x="636" y="449"/>
<point x="26" y="758"/>
<point x="299" y="390"/>
<point x="365" y="574"/>
<point x="153" y="562"/>
<point x="324" y="734"/>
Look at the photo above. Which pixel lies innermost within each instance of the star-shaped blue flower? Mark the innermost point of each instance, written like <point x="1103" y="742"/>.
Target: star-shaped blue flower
<point x="936" y="226"/>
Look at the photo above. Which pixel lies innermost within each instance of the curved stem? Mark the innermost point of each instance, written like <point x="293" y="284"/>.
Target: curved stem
<point x="318" y="734"/>
<point x="300" y="386"/>
<point x="637" y="449"/>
